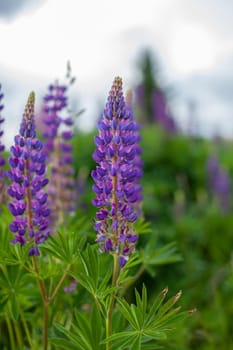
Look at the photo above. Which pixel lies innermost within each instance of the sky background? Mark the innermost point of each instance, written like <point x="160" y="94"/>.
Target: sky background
<point x="191" y="39"/>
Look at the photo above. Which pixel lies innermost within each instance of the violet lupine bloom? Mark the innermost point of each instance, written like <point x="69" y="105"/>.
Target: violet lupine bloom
<point x="219" y="183"/>
<point x="3" y="195"/>
<point x="54" y="102"/>
<point x="2" y="161"/>
<point x="30" y="225"/>
<point x="58" y="151"/>
<point x="161" y="112"/>
<point x="117" y="175"/>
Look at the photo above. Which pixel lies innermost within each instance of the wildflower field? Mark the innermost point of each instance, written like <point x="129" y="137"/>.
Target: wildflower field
<point x="120" y="238"/>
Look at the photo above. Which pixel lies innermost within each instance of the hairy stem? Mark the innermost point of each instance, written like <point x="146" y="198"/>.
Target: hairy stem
<point x="111" y="302"/>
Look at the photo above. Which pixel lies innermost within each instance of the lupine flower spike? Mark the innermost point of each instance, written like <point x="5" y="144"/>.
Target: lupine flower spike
<point x="30" y="225"/>
<point x="58" y="150"/>
<point x="219" y="183"/>
<point x="2" y="160"/>
<point x="117" y="175"/>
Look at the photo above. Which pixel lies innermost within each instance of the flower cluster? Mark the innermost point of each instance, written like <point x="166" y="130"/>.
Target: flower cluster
<point x="27" y="163"/>
<point x="219" y="183"/>
<point x="2" y="161"/>
<point x="58" y="150"/>
<point x="159" y="111"/>
<point x="162" y="113"/>
<point x="117" y="176"/>
<point x="3" y="193"/>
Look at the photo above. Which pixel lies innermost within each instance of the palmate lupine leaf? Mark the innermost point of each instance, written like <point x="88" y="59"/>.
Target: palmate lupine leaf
<point x="153" y="256"/>
<point x="144" y="325"/>
<point x="65" y="246"/>
<point x="141" y="226"/>
<point x="90" y="274"/>
<point x="85" y="333"/>
<point x="14" y="283"/>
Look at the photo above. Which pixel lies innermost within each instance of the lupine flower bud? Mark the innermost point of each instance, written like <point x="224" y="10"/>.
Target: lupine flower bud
<point x="27" y="163"/>
<point x="117" y="175"/>
<point x="58" y="150"/>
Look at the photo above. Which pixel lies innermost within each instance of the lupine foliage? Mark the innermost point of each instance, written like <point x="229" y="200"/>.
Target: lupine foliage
<point x="178" y="206"/>
<point x="41" y="270"/>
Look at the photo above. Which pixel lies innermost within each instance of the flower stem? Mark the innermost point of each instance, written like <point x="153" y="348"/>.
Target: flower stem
<point x="26" y="329"/>
<point x="10" y="332"/>
<point x="45" y="304"/>
<point x="111" y="302"/>
<point x="45" y="325"/>
<point x="59" y="283"/>
<point x="133" y="280"/>
<point x="18" y="335"/>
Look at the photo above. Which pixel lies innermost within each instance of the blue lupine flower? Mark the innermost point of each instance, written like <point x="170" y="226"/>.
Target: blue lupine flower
<point x="27" y="163"/>
<point x="58" y="150"/>
<point x="117" y="176"/>
<point x="2" y="161"/>
<point x="219" y="183"/>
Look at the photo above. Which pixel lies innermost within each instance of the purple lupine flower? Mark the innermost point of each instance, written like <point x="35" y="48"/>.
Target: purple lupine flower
<point x="54" y="102"/>
<point x="117" y="176"/>
<point x="72" y="286"/>
<point x="140" y="95"/>
<point x="58" y="150"/>
<point x="161" y="112"/>
<point x="3" y="194"/>
<point x="27" y="163"/>
<point x="2" y="161"/>
<point x="219" y="183"/>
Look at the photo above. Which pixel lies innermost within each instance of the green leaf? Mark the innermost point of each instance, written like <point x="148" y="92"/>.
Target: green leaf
<point x="14" y="307"/>
<point x="66" y="244"/>
<point x="64" y="344"/>
<point x="168" y="305"/>
<point x="127" y="312"/>
<point x="153" y="323"/>
<point x="155" y="306"/>
<point x="90" y="274"/>
<point x="142" y="226"/>
<point x="86" y="331"/>
<point x="155" y="334"/>
<point x="167" y="254"/>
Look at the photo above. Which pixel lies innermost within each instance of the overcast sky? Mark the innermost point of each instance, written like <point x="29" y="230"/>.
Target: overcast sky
<point x="191" y="38"/>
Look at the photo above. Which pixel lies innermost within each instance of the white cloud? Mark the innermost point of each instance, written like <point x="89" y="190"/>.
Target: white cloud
<point x="102" y="39"/>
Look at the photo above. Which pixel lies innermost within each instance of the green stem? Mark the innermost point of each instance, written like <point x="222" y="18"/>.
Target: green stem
<point x="45" y="325"/>
<point x="45" y="304"/>
<point x="26" y="330"/>
<point x="59" y="283"/>
<point x="18" y="335"/>
<point x="10" y="332"/>
<point x="111" y="302"/>
<point x="133" y="279"/>
<point x="39" y="281"/>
